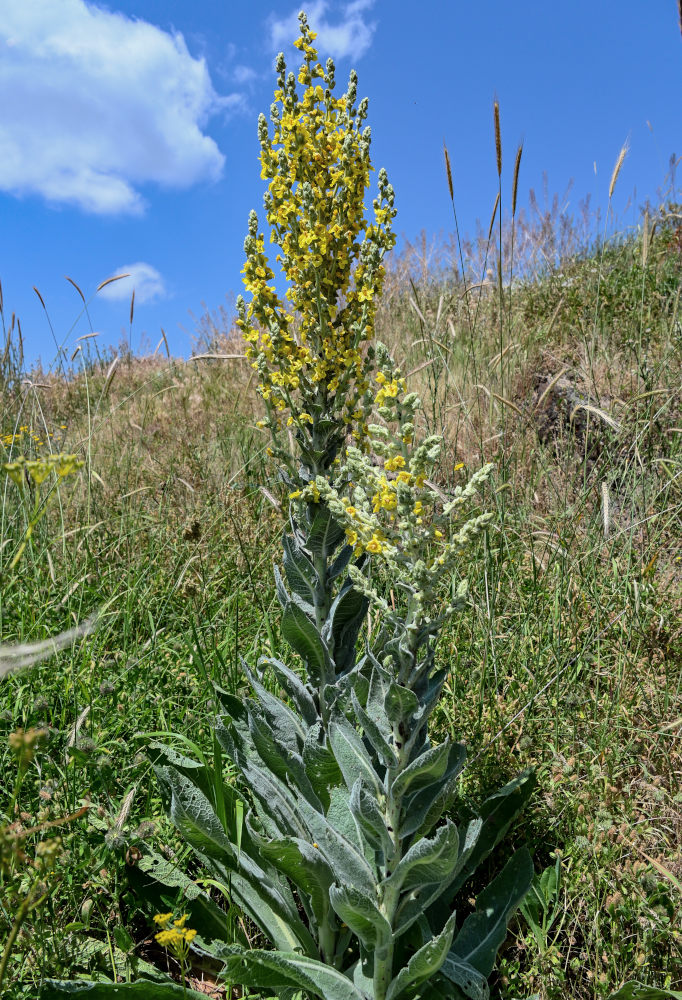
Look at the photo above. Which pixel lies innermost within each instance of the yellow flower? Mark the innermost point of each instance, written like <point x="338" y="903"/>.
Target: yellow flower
<point x="418" y="507"/>
<point x="374" y="546"/>
<point x="460" y="465"/>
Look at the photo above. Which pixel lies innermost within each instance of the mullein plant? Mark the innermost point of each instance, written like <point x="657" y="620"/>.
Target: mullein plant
<point x="338" y="839"/>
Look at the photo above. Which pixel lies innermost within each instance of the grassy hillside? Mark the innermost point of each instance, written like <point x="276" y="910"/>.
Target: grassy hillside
<point x="568" y="378"/>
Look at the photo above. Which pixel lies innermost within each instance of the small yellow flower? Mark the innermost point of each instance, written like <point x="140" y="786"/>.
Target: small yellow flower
<point x="374" y="546"/>
<point x="460" y="465"/>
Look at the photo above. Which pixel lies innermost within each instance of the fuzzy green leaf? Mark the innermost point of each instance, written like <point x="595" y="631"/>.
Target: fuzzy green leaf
<point x="424" y="963"/>
<point x="401" y="703"/>
<point x="306" y="868"/>
<point x="351" y="756"/>
<point x="496" y="814"/>
<point x="300" y="572"/>
<point x="470" y="981"/>
<point x="264" y="901"/>
<point x="278" y="970"/>
<point x="349" y="865"/>
<point x="423" y="809"/>
<point x="325" y="534"/>
<point x="145" y="989"/>
<point x="300" y="633"/>
<point x="483" y="931"/>
<point x="343" y="625"/>
<point x="363" y="917"/>
<point x="428" y="861"/>
<point x="429" y="767"/>
<point x="416" y="903"/>
<point x="374" y="734"/>
<point x="320" y="765"/>
<point x="369" y="818"/>
<point x="638" y="991"/>
<point x="298" y="691"/>
<point x="287" y="766"/>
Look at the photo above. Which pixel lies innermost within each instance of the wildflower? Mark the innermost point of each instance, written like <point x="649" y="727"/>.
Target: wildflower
<point x="176" y="938"/>
<point x="317" y="165"/>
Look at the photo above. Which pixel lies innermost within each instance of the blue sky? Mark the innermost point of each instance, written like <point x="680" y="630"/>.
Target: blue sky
<point x="128" y="132"/>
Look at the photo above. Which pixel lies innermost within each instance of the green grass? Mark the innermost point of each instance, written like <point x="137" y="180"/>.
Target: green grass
<point x="569" y="659"/>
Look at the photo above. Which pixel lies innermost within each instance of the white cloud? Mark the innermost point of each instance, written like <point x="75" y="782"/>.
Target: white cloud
<point x="144" y="278"/>
<point x="96" y="104"/>
<point x="348" y="34"/>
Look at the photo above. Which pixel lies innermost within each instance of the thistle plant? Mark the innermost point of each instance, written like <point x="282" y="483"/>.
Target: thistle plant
<point x="352" y="851"/>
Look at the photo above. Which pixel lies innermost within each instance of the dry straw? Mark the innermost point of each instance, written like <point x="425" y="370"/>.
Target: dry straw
<point x="605" y="508"/>
<point x="449" y="171"/>
<point x="515" y="184"/>
<point x="498" y="137"/>
<point x="616" y="169"/>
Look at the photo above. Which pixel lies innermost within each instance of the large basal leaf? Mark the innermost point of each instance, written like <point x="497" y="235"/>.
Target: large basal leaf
<point x="369" y="818"/>
<point x="144" y="989"/>
<point x="300" y="633"/>
<point x="428" y="860"/>
<point x="300" y="572"/>
<point x="483" y="931"/>
<point x="278" y="970"/>
<point x="287" y="766"/>
<point x="348" y="864"/>
<point x="424" y="964"/>
<point x="429" y="767"/>
<point x="197" y="822"/>
<point x="325" y="534"/>
<point x="470" y="981"/>
<point x="352" y="757"/>
<point x="496" y="814"/>
<point x="363" y="917"/>
<point x="287" y="726"/>
<point x="307" y="869"/>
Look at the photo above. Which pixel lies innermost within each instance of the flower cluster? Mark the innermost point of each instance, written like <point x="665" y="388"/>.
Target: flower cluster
<point x="39" y="469"/>
<point x="24" y="433"/>
<point x="311" y="347"/>
<point x="174" y="935"/>
<point x="390" y="508"/>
